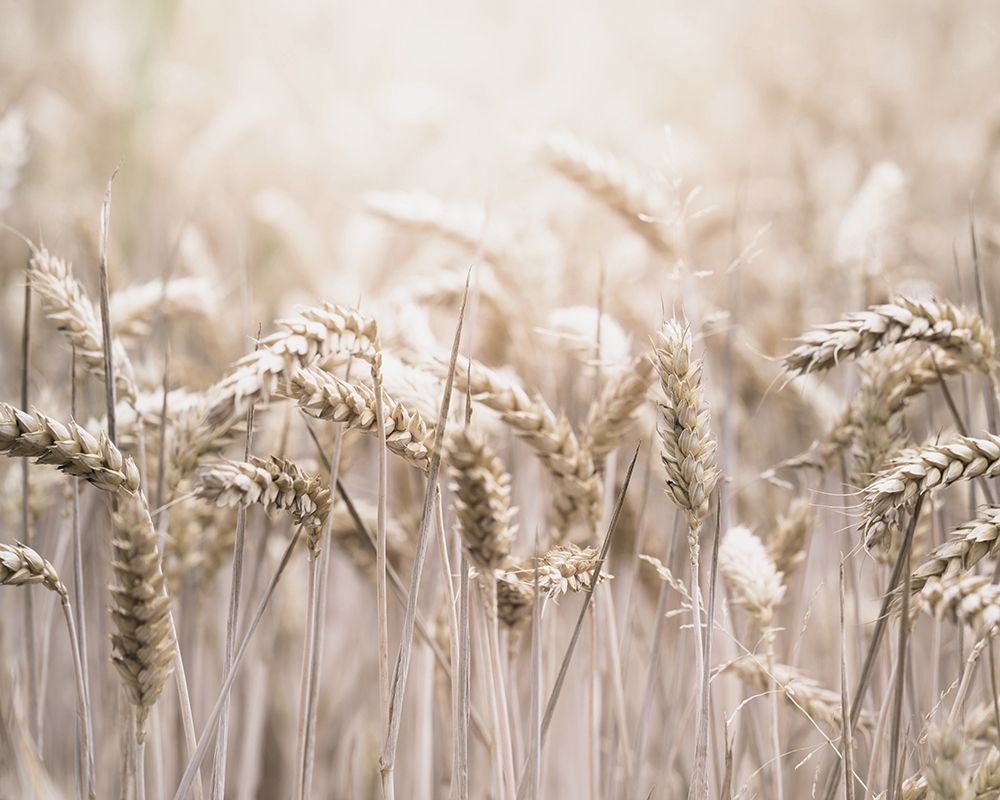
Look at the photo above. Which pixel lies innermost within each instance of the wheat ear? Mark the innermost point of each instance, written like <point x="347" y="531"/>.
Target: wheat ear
<point x="275" y="483"/>
<point x="134" y="308"/>
<point x="67" y="304"/>
<point x="67" y="446"/>
<point x="143" y="645"/>
<point x="817" y="703"/>
<point x="969" y="544"/>
<point x="613" y="412"/>
<point x="482" y="500"/>
<point x="751" y="575"/>
<point x="787" y="543"/>
<point x="552" y="438"/>
<point x="961" y="332"/>
<point x="616" y="184"/>
<point x="310" y="337"/>
<point x="920" y="469"/>
<point x="22" y="566"/>
<point x="326" y="396"/>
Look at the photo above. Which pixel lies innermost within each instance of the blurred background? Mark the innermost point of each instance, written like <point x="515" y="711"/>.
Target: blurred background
<point x="807" y="158"/>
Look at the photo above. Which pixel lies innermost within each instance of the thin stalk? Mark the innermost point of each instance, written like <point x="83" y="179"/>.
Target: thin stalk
<point x="397" y="690"/>
<point x="868" y="668"/>
<point x="381" y="592"/>
<point x="86" y="724"/>
<point x="496" y="669"/>
<point x="550" y="706"/>
<point x="319" y="630"/>
<point x="81" y="618"/>
<point x="460" y="779"/>
<point x="775" y="720"/>
<point x="847" y="745"/>
<point x="894" y="783"/>
<point x="184" y="701"/>
<point x="536" y="682"/>
<point x="140" y="771"/>
<point x="31" y="657"/>
<point x="706" y="657"/>
<point x="213" y="718"/>
<point x="232" y="622"/>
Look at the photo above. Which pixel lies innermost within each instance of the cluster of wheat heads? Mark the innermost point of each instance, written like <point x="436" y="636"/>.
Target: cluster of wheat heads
<point x="450" y="542"/>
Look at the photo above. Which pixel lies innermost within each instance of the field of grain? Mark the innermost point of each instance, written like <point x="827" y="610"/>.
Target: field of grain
<point x="499" y="401"/>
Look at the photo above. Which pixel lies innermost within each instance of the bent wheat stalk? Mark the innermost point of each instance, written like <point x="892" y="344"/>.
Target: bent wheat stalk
<point x="22" y="566"/>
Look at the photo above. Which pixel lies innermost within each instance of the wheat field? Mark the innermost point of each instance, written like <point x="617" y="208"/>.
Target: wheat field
<point x="499" y="401"/>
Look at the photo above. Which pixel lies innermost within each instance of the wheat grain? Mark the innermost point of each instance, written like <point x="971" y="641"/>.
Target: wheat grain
<point x="482" y="487"/>
<point x="955" y="329"/>
<point x="67" y="304"/>
<point x="68" y="447"/>
<point x="143" y="646"/>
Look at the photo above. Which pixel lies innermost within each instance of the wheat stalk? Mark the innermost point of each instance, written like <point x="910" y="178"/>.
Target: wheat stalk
<point x="67" y="304"/>
<point x="68" y="447"/>
<point x="955" y="329"/>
